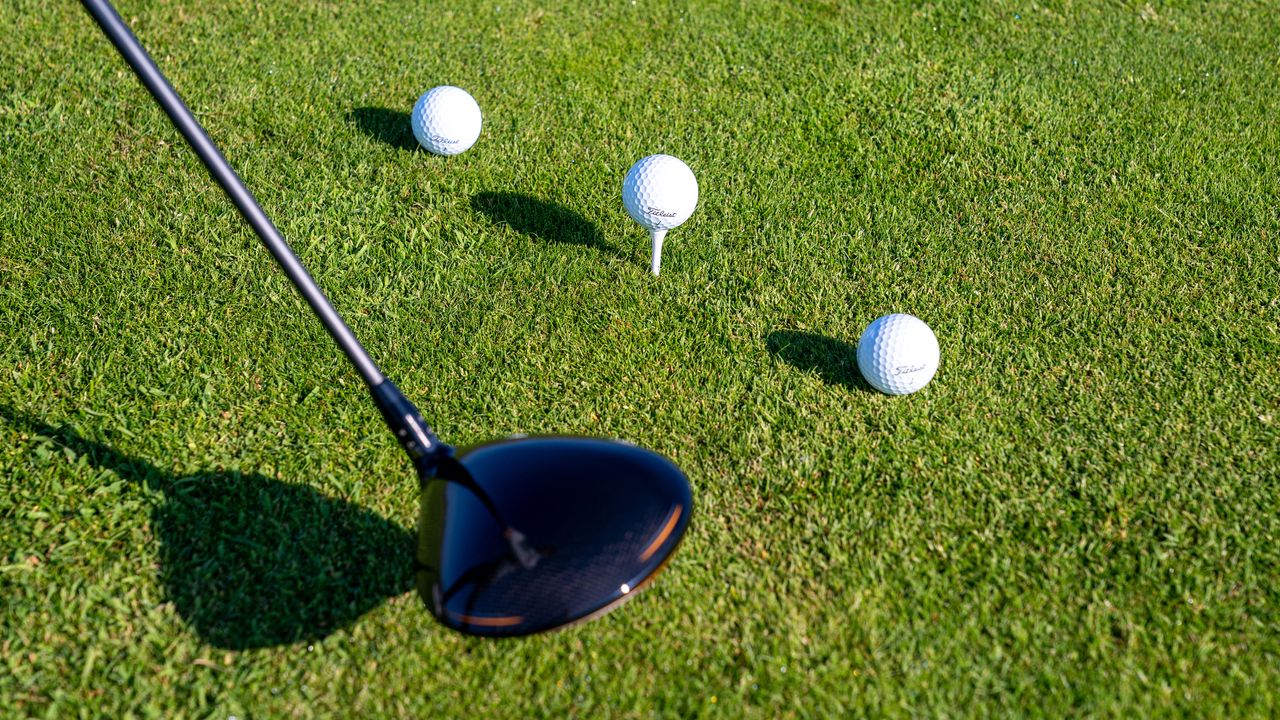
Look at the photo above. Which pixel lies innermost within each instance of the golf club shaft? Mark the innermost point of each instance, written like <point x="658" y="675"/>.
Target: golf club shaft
<point x="120" y="35"/>
<point x="399" y="413"/>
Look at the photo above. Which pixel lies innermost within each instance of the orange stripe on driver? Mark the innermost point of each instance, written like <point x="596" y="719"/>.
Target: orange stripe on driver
<point x="663" y="534"/>
<point x="480" y="621"/>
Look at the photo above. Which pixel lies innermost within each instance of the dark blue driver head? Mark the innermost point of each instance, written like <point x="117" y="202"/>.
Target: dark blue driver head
<point x="523" y="535"/>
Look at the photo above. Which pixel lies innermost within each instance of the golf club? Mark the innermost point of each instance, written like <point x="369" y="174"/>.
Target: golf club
<point x="515" y="536"/>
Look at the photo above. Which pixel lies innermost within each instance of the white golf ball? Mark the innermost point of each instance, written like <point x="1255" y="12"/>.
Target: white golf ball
<point x="446" y="120"/>
<point x="660" y="192"/>
<point x="898" y="354"/>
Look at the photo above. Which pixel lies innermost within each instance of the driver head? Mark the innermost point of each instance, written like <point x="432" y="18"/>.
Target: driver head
<point x="518" y="536"/>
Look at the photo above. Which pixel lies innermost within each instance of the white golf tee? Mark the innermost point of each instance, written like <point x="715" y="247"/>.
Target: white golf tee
<point x="656" y="236"/>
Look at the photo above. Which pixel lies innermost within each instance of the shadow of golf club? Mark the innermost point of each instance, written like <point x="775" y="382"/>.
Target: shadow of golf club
<point x="389" y="126"/>
<point x="835" y="362"/>
<point x="539" y="219"/>
<point x="253" y="562"/>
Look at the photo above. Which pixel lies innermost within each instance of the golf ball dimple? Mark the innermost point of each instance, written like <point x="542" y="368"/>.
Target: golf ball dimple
<point x="446" y="120"/>
<point x="898" y="354"/>
<point x="660" y="192"/>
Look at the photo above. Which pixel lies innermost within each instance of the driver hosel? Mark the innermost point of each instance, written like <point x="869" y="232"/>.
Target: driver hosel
<point x="415" y="436"/>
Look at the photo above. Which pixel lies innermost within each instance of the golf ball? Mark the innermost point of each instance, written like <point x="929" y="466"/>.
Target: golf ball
<point x="446" y="120"/>
<point x="898" y="354"/>
<point x="660" y="192"/>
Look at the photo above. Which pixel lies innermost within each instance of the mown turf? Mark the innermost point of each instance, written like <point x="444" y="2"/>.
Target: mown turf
<point x="201" y="516"/>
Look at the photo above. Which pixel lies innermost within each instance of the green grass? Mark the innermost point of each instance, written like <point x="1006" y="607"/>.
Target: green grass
<point x="200" y="515"/>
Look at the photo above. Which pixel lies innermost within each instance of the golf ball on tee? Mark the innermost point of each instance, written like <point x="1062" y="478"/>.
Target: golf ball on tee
<point x="446" y="120"/>
<point x="898" y="354"/>
<point x="660" y="192"/>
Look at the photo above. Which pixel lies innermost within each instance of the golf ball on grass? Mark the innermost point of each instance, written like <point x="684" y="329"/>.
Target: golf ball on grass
<point x="659" y="192"/>
<point x="898" y="354"/>
<point x="446" y="120"/>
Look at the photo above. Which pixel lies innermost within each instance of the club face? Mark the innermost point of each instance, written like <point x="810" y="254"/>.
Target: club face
<point x="519" y="536"/>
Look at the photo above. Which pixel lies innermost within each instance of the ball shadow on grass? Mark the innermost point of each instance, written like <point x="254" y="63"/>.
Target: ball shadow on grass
<point x="835" y="362"/>
<point x="389" y="126"/>
<point x="539" y="219"/>
<point x="253" y="562"/>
